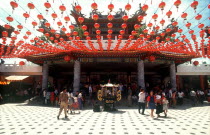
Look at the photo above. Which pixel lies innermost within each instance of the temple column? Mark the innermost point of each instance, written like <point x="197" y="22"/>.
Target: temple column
<point x="45" y="74"/>
<point x="77" y="69"/>
<point x="202" y="82"/>
<point x="141" y="81"/>
<point x="173" y="76"/>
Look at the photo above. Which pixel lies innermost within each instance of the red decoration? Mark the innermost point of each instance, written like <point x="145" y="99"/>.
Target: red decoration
<point x="124" y="25"/>
<point x="98" y="32"/>
<point x="155" y="16"/>
<point x="19" y="26"/>
<point x="125" y="18"/>
<point x="151" y="58"/>
<point x="96" y="25"/>
<point x="194" y="5"/>
<point x="196" y="63"/>
<point x="4" y="33"/>
<point x="40" y="17"/>
<point x="191" y="31"/>
<point x="47" y="24"/>
<point x="177" y="3"/>
<point x="200" y="25"/>
<point x="110" y="6"/>
<point x="31" y="6"/>
<point x="145" y="7"/>
<point x="140" y="18"/>
<point x="75" y="33"/>
<point x="162" y="22"/>
<point x="95" y="17"/>
<point x="110" y="31"/>
<point x="26" y="15"/>
<point x="10" y="19"/>
<point x="127" y="7"/>
<point x="54" y="16"/>
<point x="136" y="26"/>
<point x="21" y="63"/>
<point x="34" y="24"/>
<point x="13" y="4"/>
<point x="67" y="18"/>
<point x="109" y="25"/>
<point x="162" y="5"/>
<point x="175" y="23"/>
<point x="64" y="29"/>
<point x="78" y="8"/>
<point x="71" y="27"/>
<point x="188" y="25"/>
<point x="84" y="27"/>
<point x="81" y="20"/>
<point x="28" y="32"/>
<point x="47" y="5"/>
<point x="41" y="30"/>
<point x="169" y="13"/>
<point x="7" y="26"/>
<point x="198" y="17"/>
<point x="67" y="58"/>
<point x="110" y="17"/>
<point x="47" y="34"/>
<point x="184" y="15"/>
<point x="62" y="8"/>
<point x="122" y="32"/>
<point x="86" y="33"/>
<point x="59" y="23"/>
<point x="94" y="6"/>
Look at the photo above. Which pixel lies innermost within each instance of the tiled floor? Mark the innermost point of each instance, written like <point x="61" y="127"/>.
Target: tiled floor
<point x="32" y="120"/>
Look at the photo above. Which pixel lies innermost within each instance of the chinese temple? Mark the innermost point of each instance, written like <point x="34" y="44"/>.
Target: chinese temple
<point x="120" y="46"/>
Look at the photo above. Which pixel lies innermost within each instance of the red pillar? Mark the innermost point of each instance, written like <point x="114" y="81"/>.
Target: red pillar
<point x="202" y="82"/>
<point x="177" y="82"/>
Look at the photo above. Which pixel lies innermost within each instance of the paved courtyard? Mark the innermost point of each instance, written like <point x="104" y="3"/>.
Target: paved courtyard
<point x="23" y="119"/>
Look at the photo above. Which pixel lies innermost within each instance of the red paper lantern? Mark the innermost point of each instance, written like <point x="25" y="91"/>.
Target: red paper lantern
<point x="95" y="17"/>
<point x="64" y="29"/>
<point x="124" y="25"/>
<point x="109" y="36"/>
<point x="110" y="6"/>
<point x="67" y="18"/>
<point x="191" y="31"/>
<point x="47" y="34"/>
<point x="4" y="33"/>
<point x="110" y="17"/>
<point x="188" y="25"/>
<point x="157" y="38"/>
<point x="162" y="5"/>
<point x="162" y="34"/>
<point x="136" y="26"/>
<point x="21" y="63"/>
<point x="198" y="17"/>
<point x="54" y="16"/>
<point x="28" y="32"/>
<point x="84" y="27"/>
<point x="62" y="8"/>
<point x="145" y="7"/>
<point x="125" y="18"/>
<point x="10" y="19"/>
<point x="173" y="35"/>
<point x="194" y="5"/>
<point x="175" y="23"/>
<point x="86" y="33"/>
<point x="200" y="25"/>
<point x="34" y="23"/>
<point x="184" y="15"/>
<point x="98" y="32"/>
<point x="47" y="24"/>
<point x="177" y="3"/>
<point x="127" y="7"/>
<point x="94" y="6"/>
<point x="67" y="58"/>
<point x="75" y="33"/>
<point x="61" y="39"/>
<point x="57" y="35"/>
<point x="13" y="4"/>
<point x="80" y="20"/>
<point x="196" y="63"/>
<point x="162" y="22"/>
<point x="19" y="26"/>
<point x="131" y="37"/>
<point x="179" y="30"/>
<point x="47" y="5"/>
<point x="78" y="8"/>
<point x="41" y="30"/>
<point x="157" y="27"/>
<point x="152" y="33"/>
<point x="110" y="31"/>
<point x="109" y="25"/>
<point x="140" y="18"/>
<point x="149" y="25"/>
<point x="151" y="58"/>
<point x="68" y="34"/>
<point x="145" y="31"/>
<point x="71" y="27"/>
<point x="26" y="15"/>
<point x="59" y="23"/>
<point x="40" y="17"/>
<point x="169" y="13"/>
<point x="122" y="32"/>
<point x="120" y="36"/>
<point x="51" y="38"/>
<point x="155" y="16"/>
<point x="133" y="32"/>
<point x="88" y="38"/>
<point x="168" y="30"/>
<point x="96" y="25"/>
<point x="31" y="6"/>
<point x="52" y="31"/>
<point x="25" y="37"/>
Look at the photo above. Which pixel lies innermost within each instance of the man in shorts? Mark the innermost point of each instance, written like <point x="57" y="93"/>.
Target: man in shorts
<point x="63" y="100"/>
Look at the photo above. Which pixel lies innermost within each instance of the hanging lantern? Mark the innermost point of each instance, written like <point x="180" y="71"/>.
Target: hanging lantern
<point x="28" y="33"/>
<point x="183" y="36"/>
<point x="71" y="27"/>
<point x="36" y="38"/>
<point x="47" y="34"/>
<point x="67" y="19"/>
<point x="124" y="25"/>
<point x="175" y="23"/>
<point x="188" y="25"/>
<point x="109" y="36"/>
<point x="25" y="37"/>
<point x="162" y="5"/>
<point x="64" y="29"/>
<point x="54" y="16"/>
<point x="191" y="31"/>
<point x="196" y="63"/>
<point x="151" y="58"/>
<point x="125" y="18"/>
<point x="198" y="17"/>
<point x="184" y="15"/>
<point x="110" y="6"/>
<point x="88" y="38"/>
<point x="10" y="19"/>
<point x="201" y="25"/>
<point x="169" y="13"/>
<point x="145" y="31"/>
<point x="61" y="39"/>
<point x="78" y="8"/>
<point x="47" y="6"/>
<point x="14" y="5"/>
<point x="31" y="6"/>
<point x="75" y="33"/>
<point x="84" y="27"/>
<point x="51" y="38"/>
<point x="95" y="17"/>
<point x="152" y="33"/>
<point x="168" y="30"/>
<point x="7" y="26"/>
<point x="59" y="24"/>
<point x="162" y="34"/>
<point x="122" y="32"/>
<point x="94" y="6"/>
<point x="162" y="22"/>
<point x="149" y="25"/>
<point x="140" y="18"/>
<point x="26" y="15"/>
<point x="57" y="35"/>
<point x="67" y="58"/>
<point x="21" y="63"/>
<point x="180" y="31"/>
<point x="52" y="31"/>
<point x="109" y="25"/>
<point x="47" y="24"/>
<point x="133" y="33"/>
<point x="13" y="38"/>
<point x="68" y="34"/>
<point x="202" y="33"/>
<point x="136" y="26"/>
<point x="194" y="5"/>
<point x="173" y="35"/>
<point x="130" y="37"/>
<point x="110" y="17"/>
<point x="98" y="32"/>
<point x="155" y="16"/>
<point x="34" y="24"/>
<point x="80" y="20"/>
<point x="177" y="3"/>
<point x="96" y="25"/>
<point x="110" y="31"/>
<point x="127" y="7"/>
<point x="16" y="32"/>
<point x="40" y="17"/>
<point x="86" y="33"/>
<point x="120" y="36"/>
<point x="62" y="8"/>
<point x="145" y="7"/>
<point x="19" y="26"/>
<point x="4" y="33"/>
<point x="157" y="28"/>
<point x="41" y="30"/>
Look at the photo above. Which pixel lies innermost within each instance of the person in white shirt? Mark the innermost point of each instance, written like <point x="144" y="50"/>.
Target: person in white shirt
<point x="202" y="96"/>
<point x="193" y="97"/>
<point x="180" y="97"/>
<point x="141" y="101"/>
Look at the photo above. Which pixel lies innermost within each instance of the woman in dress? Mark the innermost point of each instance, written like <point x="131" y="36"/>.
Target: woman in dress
<point x="151" y="103"/>
<point x="165" y="106"/>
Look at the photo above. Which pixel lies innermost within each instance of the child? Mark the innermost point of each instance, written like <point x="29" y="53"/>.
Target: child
<point x="165" y="106"/>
